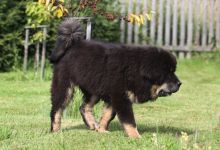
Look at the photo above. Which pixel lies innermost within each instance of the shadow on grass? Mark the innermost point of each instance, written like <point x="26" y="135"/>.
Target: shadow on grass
<point x="142" y="128"/>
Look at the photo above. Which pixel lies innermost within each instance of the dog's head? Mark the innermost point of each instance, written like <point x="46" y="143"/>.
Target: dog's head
<point x="158" y="71"/>
<point x="170" y="84"/>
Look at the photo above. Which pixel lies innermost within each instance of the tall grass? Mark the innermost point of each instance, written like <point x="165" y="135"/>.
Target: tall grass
<point x="72" y="110"/>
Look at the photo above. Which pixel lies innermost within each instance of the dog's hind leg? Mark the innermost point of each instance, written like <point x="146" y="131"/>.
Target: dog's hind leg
<point x="107" y="116"/>
<point x="86" y="110"/>
<point x="61" y="94"/>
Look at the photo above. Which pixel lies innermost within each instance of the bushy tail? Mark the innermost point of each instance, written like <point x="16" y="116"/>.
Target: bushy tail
<point x="69" y="33"/>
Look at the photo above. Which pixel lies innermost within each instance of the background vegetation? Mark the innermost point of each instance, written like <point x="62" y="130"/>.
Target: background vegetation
<point x="12" y="21"/>
<point x="15" y="14"/>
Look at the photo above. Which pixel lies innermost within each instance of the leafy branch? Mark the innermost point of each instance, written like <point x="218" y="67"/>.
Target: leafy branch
<point x="59" y="8"/>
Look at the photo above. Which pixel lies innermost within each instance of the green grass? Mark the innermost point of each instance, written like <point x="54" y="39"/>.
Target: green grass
<point x="187" y="119"/>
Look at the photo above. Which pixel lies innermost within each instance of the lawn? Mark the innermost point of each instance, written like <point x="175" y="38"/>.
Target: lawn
<point x="189" y="119"/>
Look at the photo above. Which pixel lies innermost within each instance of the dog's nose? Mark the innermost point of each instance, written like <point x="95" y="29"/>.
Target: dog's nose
<point x="179" y="83"/>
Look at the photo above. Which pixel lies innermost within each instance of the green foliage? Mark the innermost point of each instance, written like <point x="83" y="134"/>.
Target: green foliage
<point x="55" y="7"/>
<point x="102" y="28"/>
<point x="12" y="16"/>
<point x="15" y="16"/>
<point x="37" y="14"/>
<point x="105" y="30"/>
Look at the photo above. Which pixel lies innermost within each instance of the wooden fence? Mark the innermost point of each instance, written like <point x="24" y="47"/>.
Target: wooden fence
<point x="177" y="25"/>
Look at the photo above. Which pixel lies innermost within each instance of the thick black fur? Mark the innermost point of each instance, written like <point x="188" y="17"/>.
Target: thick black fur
<point x="107" y="70"/>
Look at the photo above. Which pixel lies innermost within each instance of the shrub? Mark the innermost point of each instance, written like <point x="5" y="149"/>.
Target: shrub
<point x="11" y="28"/>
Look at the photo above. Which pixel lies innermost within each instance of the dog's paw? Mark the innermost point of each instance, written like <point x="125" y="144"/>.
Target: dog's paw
<point x="102" y="130"/>
<point x="138" y="136"/>
<point x="93" y="126"/>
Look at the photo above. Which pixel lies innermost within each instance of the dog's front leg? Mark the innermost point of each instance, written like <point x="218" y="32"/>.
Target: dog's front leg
<point x="107" y="116"/>
<point x="123" y="108"/>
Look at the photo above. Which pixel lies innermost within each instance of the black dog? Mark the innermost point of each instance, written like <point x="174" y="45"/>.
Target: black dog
<point x="119" y="74"/>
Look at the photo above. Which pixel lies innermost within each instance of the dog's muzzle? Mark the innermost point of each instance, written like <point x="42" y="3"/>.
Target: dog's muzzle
<point x="167" y="89"/>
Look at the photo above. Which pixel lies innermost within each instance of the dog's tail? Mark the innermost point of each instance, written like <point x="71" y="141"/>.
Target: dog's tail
<point x="69" y="33"/>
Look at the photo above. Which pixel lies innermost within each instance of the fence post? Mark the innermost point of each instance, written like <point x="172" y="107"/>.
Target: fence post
<point x="190" y="25"/>
<point x="43" y="55"/>
<point x="160" y="24"/>
<point x="167" y="30"/>
<point x="175" y="15"/>
<point x="26" y="49"/>
<point x="204" y="26"/>
<point x="153" y="23"/>
<point x="37" y="58"/>
<point x="136" y="29"/>
<point x="190" y="29"/>
<point x="211" y="22"/>
<point x="144" y="28"/>
<point x="130" y="26"/>
<point x="122" y="23"/>
<point x="218" y="25"/>
<point x="197" y="22"/>
<point x="88" y="29"/>
<point x="182" y="29"/>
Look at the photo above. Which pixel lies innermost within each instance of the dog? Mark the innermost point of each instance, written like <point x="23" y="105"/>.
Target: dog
<point x="119" y="74"/>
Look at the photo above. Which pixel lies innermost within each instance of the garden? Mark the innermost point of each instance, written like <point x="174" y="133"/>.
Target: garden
<point x="189" y="119"/>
